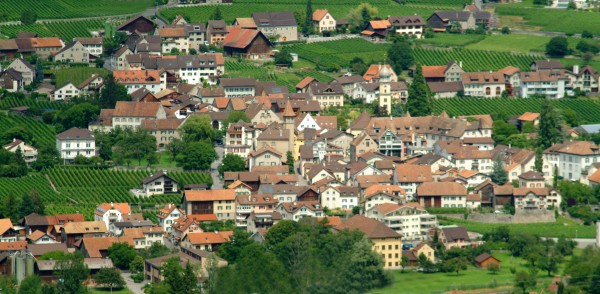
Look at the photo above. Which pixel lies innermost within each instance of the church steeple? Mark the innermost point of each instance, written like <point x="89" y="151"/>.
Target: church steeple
<point x="385" y="87"/>
<point x="288" y="116"/>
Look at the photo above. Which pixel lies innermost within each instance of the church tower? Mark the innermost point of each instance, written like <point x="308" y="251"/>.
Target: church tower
<point x="385" y="88"/>
<point x="288" y="116"/>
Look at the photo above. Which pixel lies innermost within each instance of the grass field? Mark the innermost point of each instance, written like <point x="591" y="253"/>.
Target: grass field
<point x="338" y="8"/>
<point x="551" y="20"/>
<point x="517" y="43"/>
<point x="107" y="291"/>
<point x="473" y="278"/>
<point x="11" y="10"/>
<point x="76" y="75"/>
<point x="587" y="110"/>
<point x="452" y="40"/>
<point x="562" y="227"/>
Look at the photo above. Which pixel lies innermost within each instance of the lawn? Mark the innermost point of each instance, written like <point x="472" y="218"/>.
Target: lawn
<point x="452" y="40"/>
<point x="472" y="278"/>
<point x="517" y="43"/>
<point x="76" y="75"/>
<point x="562" y="227"/>
<point x="551" y="20"/>
<point x="107" y="291"/>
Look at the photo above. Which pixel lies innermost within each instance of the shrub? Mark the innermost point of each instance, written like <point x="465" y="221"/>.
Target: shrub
<point x="138" y="278"/>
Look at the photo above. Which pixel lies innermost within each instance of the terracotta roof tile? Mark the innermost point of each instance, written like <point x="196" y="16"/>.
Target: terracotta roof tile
<point x="207" y="238"/>
<point x="408" y="173"/>
<point x="434" y="71"/>
<point x="441" y="189"/>
<point x="209" y="195"/>
<point x="319" y="14"/>
<point x="371" y="228"/>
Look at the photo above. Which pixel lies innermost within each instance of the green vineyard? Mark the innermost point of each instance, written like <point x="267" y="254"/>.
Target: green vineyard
<point x="20" y="186"/>
<point x="66" y="30"/>
<point x="52" y="9"/>
<point x="8" y="103"/>
<point x="343" y="51"/>
<point x="43" y="134"/>
<point x="587" y="110"/>
<point x="77" y="75"/>
<point x="87" y="185"/>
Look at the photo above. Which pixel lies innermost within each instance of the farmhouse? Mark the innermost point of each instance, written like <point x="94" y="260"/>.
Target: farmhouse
<point x="247" y="44"/>
<point x="139" y="23"/>
<point x="27" y="71"/>
<point x="323" y="21"/>
<point x="442" y="194"/>
<point x="277" y="24"/>
<point x="153" y="80"/>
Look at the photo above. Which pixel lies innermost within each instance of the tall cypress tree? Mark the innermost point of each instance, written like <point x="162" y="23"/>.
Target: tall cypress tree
<point x="499" y="175"/>
<point x="308" y="26"/>
<point x="550" y="129"/>
<point x="419" y="98"/>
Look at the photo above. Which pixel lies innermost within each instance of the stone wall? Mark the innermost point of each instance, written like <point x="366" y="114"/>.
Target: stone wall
<point x="520" y="217"/>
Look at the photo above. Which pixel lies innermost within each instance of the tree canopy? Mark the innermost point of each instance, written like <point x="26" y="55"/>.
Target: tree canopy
<point x="550" y="129"/>
<point x="232" y="163"/>
<point x="419" y="98"/>
<point x="558" y="47"/>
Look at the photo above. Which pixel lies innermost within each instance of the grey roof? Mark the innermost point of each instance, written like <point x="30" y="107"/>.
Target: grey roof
<point x="237" y="82"/>
<point x="453" y="15"/>
<point x="89" y="41"/>
<point x="92" y="263"/>
<point x="13" y="73"/>
<point x="589" y="129"/>
<point x="274" y="19"/>
<point x="548" y="64"/>
<point x="343" y="80"/>
<point x="75" y="134"/>
<point x="456" y="233"/>
<point x="31" y="67"/>
<point x="318" y="88"/>
<point x="370" y="87"/>
<point x="138" y="94"/>
<point x="427" y="159"/>
<point x="207" y="60"/>
<point x="155" y="176"/>
<point x="406" y="20"/>
<point x="217" y="26"/>
<point x="41" y="249"/>
<point x="134" y="224"/>
<point x="444" y="87"/>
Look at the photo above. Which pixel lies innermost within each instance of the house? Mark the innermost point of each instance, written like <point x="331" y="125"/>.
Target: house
<point x="299" y="209"/>
<point x="39" y="237"/>
<point x="239" y="139"/>
<point x="167" y="215"/>
<point x="339" y="197"/>
<point x="143" y="238"/>
<point x="198" y="258"/>
<point x="74" y="142"/>
<point x="11" y="80"/>
<point x="483" y="84"/>
<point x="372" y="73"/>
<point x="73" y="52"/>
<point x="377" y="29"/>
<point x="132" y="114"/>
<point x="72" y="232"/>
<point x="174" y="39"/>
<point x="153" y="80"/>
<point x="442" y="194"/>
<point x="587" y="79"/>
<point x="377" y="194"/>
<point x="452" y="236"/>
<point x="530" y="198"/>
<point x="91" y="85"/>
<point x="410" y="177"/>
<point x="159" y="183"/>
<point x="93" y="45"/>
<point x="190" y="69"/>
<point x="550" y="83"/>
<point x="97" y="247"/>
<point x="326" y="94"/>
<point x="547" y="64"/>
<point x="28" y="71"/>
<point x="116" y="228"/>
<point x="451" y="72"/>
<point x="531" y="179"/>
<point x="413" y="254"/>
<point x="46" y="269"/>
<point x="207" y="241"/>
<point x="409" y="219"/>
<point x="65" y="92"/>
<point x="484" y="260"/>
<point x="459" y="21"/>
<point x="323" y="21"/>
<point x="281" y="24"/>
<point x="34" y="222"/>
<point x="247" y="44"/>
<point x="7" y="231"/>
<point x="216" y="32"/>
<point x="386" y="241"/>
<point x="445" y="89"/>
<point x="408" y="25"/>
<point x="44" y="47"/>
<point x="347" y="81"/>
<point x="219" y="202"/>
<point x="532" y="117"/>
<point x="570" y="159"/>
<point x="140" y="24"/>
<point x="262" y="221"/>
<point x="111" y="212"/>
<point x="38" y="250"/>
<point x="265" y="156"/>
<point x="28" y="152"/>
<point x="255" y="203"/>
<point x="276" y="137"/>
<point x="238" y="87"/>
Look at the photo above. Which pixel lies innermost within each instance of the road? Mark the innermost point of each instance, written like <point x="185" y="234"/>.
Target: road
<point x="214" y="173"/>
<point x="135" y="288"/>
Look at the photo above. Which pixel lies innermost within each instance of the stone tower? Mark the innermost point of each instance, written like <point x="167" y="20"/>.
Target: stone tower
<point x="288" y="116"/>
<point x="385" y="88"/>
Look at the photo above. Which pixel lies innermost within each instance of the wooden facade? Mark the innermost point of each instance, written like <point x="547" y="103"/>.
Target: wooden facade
<point x="140" y="24"/>
<point x="258" y="48"/>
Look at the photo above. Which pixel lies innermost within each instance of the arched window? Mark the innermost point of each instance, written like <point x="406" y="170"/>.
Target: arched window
<point x="488" y="90"/>
<point x="498" y="91"/>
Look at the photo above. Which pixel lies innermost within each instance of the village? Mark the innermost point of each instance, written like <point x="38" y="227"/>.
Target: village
<point x="172" y="170"/>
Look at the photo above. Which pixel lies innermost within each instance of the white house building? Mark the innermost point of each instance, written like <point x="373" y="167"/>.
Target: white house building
<point x="111" y="212"/>
<point x="29" y="152"/>
<point x="570" y="159"/>
<point x="336" y="197"/>
<point x="75" y="141"/>
<point x="65" y="92"/>
<point x="409" y="219"/>
<point x="153" y="80"/>
<point x="297" y="210"/>
<point x="168" y="215"/>
<point x="158" y="183"/>
<point x="549" y="83"/>
<point x="483" y="84"/>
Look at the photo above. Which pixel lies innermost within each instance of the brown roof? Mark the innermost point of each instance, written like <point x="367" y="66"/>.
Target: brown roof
<point x="13" y="246"/>
<point x="578" y="148"/>
<point x="264" y="149"/>
<point x="473" y="197"/>
<point x="209" y="195"/>
<point x="38" y="234"/>
<point x="434" y="71"/>
<point x="172" y="32"/>
<point x="408" y="173"/>
<point x="482" y="78"/>
<point x="529" y="116"/>
<point x="148" y="76"/>
<point x="161" y="124"/>
<point x="319" y="14"/>
<point x="441" y="189"/>
<point x="240" y="38"/>
<point x="509" y="70"/>
<point x="46" y="42"/>
<point x="41" y="249"/>
<point x="456" y="233"/>
<point x="134" y="19"/>
<point x="445" y="87"/>
<point x="332" y="221"/>
<point x="548" y="64"/>
<point x="246" y="22"/>
<point x="124" y="208"/>
<point x="380" y="24"/>
<point x="388" y="189"/>
<point x="212" y="92"/>
<point x="532" y="175"/>
<point x="89" y="41"/>
<point x="506" y="189"/>
<point x="371" y="228"/>
<point x="543" y="76"/>
<point x="94" y="246"/>
<point x="525" y="191"/>
<point x="257" y="199"/>
<point x="75" y="134"/>
<point x="85" y="227"/>
<point x="484" y="256"/>
<point x="373" y="71"/>
<point x="139" y="109"/>
<point x="305" y="82"/>
<point x="209" y="237"/>
<point x="468" y="153"/>
<point x="369" y="180"/>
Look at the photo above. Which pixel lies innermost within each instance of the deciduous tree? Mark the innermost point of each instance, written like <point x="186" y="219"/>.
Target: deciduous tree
<point x="110" y="278"/>
<point x="197" y="156"/>
<point x="71" y="274"/>
<point x="400" y="55"/>
<point x="122" y="254"/>
<point x="232" y="163"/>
<point x="550" y="128"/>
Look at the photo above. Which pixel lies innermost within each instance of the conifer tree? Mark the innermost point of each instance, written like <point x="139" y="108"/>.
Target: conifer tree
<point x="419" y="99"/>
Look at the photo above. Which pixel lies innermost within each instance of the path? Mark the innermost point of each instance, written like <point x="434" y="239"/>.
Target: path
<point x="214" y="172"/>
<point x="51" y="184"/>
<point x="135" y="288"/>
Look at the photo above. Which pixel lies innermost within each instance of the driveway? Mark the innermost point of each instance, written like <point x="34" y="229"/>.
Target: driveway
<point x="135" y="288"/>
<point x="214" y="172"/>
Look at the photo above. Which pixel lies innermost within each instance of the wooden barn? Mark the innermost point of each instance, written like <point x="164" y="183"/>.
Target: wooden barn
<point x="249" y="44"/>
<point x="138" y="23"/>
<point x="484" y="260"/>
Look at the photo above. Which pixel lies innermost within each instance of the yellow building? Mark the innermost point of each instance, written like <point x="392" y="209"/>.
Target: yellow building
<point x="386" y="241"/>
<point x="426" y="250"/>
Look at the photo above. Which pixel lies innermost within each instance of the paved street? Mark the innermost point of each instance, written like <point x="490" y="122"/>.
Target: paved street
<point x="217" y="184"/>
<point x="134" y="287"/>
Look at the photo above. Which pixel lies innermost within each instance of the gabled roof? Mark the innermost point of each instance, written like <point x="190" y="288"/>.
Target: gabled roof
<point x="242" y="38"/>
<point x="76" y="134"/>
<point x="209" y="238"/>
<point x="484" y="256"/>
<point x="456" y="233"/>
<point x="305" y="82"/>
<point x="441" y="189"/>
<point x="13" y="246"/>
<point x="265" y="149"/>
<point x="85" y="227"/>
<point x="5" y="225"/>
<point x="274" y="19"/>
<point x="209" y="195"/>
<point x="129" y="21"/>
<point x="535" y="191"/>
<point x="136" y="109"/>
<point x="371" y="228"/>
<point x="319" y="14"/>
<point x="409" y="173"/>
<point x="94" y="246"/>
<point x="124" y="208"/>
